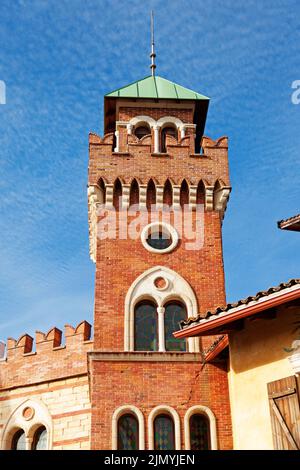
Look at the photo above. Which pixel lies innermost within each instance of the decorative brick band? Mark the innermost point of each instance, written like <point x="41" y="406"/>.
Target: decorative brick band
<point x="145" y="356"/>
<point x="44" y="390"/>
<point x="72" y="413"/>
<point x="71" y="441"/>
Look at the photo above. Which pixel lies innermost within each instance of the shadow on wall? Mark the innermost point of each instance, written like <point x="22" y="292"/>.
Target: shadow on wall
<point x="263" y="341"/>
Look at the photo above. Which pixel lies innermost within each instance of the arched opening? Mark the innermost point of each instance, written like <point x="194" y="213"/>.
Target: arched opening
<point x="102" y="190"/>
<point x="167" y="130"/>
<point x="199" y="432"/>
<point x="175" y="312"/>
<point x="134" y="193"/>
<point x="184" y="194"/>
<point x="18" y="440"/>
<point x="145" y="326"/>
<point x="142" y="130"/>
<point x="168" y="193"/>
<point x="117" y="194"/>
<point x="151" y="195"/>
<point x="200" y="198"/>
<point x="40" y="439"/>
<point x="128" y="432"/>
<point x="164" y="432"/>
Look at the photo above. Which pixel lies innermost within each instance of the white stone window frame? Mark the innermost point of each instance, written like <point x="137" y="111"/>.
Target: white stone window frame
<point x="156" y="227"/>
<point x="157" y="126"/>
<point x="121" y="411"/>
<point x="143" y="288"/>
<point x="205" y="411"/>
<point x="160" y="410"/>
<point x="16" y="421"/>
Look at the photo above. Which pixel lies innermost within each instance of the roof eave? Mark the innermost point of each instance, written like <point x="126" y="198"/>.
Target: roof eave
<point x="212" y="325"/>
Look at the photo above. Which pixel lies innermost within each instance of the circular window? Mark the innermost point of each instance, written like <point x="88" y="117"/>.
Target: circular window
<point x="159" y="237"/>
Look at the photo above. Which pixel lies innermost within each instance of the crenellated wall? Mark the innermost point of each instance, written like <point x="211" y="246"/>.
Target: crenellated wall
<point x="28" y="362"/>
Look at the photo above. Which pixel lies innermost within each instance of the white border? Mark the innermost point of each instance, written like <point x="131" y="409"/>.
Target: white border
<point x="157" y="226"/>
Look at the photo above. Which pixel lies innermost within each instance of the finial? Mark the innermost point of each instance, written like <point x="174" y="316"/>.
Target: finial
<point x="152" y="55"/>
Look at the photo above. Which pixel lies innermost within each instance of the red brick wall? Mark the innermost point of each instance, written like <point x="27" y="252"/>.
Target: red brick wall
<point x="149" y="384"/>
<point x="127" y="113"/>
<point x="120" y="262"/>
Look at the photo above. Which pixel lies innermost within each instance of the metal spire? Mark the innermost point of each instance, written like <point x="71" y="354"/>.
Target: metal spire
<point x="152" y="55"/>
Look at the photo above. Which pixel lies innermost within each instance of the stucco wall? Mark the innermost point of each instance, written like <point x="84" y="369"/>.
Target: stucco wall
<point x="257" y="357"/>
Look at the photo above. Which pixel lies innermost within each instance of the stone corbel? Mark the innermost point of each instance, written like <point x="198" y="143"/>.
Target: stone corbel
<point x="209" y="198"/>
<point x="176" y="196"/>
<point x="125" y="196"/>
<point x="221" y="199"/>
<point x="159" y="196"/>
<point x="109" y="203"/>
<point x="193" y="197"/>
<point x="143" y="196"/>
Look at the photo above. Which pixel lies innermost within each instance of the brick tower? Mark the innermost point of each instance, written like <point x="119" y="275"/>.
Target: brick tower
<point x="149" y="390"/>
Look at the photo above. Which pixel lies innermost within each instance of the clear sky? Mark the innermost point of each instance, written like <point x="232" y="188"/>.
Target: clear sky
<point x="59" y="57"/>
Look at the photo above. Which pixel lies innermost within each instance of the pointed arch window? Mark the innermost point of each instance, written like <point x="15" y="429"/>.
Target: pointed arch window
<point x="175" y="312"/>
<point x="199" y="432"/>
<point x="128" y="432"/>
<point x="19" y="441"/>
<point x="40" y="439"/>
<point x="145" y="326"/>
<point x="164" y="432"/>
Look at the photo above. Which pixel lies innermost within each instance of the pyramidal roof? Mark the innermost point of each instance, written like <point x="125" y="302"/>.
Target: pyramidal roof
<point x="156" y="87"/>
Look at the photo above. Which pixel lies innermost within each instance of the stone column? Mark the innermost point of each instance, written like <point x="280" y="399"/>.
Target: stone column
<point x="117" y="147"/>
<point x="156" y="139"/>
<point x="161" y="329"/>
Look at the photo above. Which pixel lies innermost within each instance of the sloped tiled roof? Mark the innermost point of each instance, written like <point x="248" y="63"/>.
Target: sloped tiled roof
<point x="247" y="300"/>
<point x="292" y="223"/>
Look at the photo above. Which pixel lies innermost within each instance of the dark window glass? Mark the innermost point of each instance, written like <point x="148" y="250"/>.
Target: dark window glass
<point x="128" y="433"/>
<point x="164" y="436"/>
<point x="174" y="313"/>
<point x="40" y="439"/>
<point x="170" y="131"/>
<point x="141" y="131"/>
<point x="159" y="240"/>
<point x="18" y="442"/>
<point x="145" y="327"/>
<point x="199" y="432"/>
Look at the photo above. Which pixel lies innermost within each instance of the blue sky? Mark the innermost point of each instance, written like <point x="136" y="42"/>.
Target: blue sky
<point x="58" y="58"/>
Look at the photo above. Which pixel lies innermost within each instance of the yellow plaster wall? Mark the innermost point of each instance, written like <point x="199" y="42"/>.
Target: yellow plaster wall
<point x="257" y="357"/>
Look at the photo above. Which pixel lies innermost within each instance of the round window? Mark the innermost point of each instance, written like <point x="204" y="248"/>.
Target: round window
<point x="159" y="237"/>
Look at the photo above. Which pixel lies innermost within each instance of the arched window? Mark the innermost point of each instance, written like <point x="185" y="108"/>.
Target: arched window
<point x="199" y="432"/>
<point x="134" y="193"/>
<point x="141" y="131"/>
<point x="151" y="195"/>
<point x="128" y="432"/>
<point x="167" y="131"/>
<point x="40" y="439"/>
<point x="117" y="194"/>
<point x="145" y="327"/>
<point x="18" y="440"/>
<point x="164" y="433"/>
<point x="168" y="193"/>
<point x="174" y="313"/>
<point x="184" y="194"/>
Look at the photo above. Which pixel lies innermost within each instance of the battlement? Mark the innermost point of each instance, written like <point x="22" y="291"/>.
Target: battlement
<point x="24" y="357"/>
<point x="136" y="159"/>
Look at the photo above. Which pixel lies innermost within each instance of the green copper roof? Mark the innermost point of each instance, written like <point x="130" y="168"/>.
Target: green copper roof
<point x="156" y="88"/>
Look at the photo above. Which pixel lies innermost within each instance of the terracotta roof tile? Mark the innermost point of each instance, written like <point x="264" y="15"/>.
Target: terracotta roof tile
<point x="247" y="300"/>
